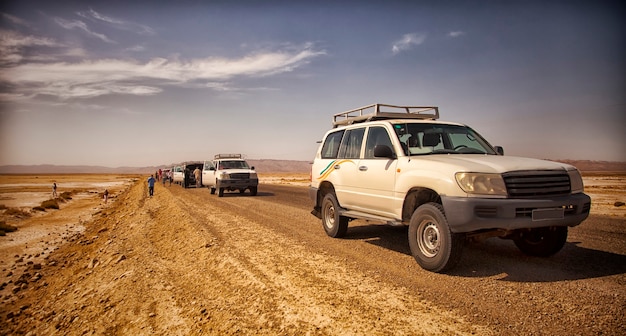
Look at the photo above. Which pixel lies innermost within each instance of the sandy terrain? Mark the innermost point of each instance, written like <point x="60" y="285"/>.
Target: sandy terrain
<point x="185" y="262"/>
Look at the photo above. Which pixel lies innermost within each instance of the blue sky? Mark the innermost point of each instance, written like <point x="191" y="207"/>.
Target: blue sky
<point x="121" y="83"/>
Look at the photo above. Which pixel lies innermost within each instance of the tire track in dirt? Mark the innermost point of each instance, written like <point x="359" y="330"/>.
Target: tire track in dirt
<point x="309" y="291"/>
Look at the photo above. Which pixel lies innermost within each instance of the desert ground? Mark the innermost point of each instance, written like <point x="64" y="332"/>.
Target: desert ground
<point x="186" y="262"/>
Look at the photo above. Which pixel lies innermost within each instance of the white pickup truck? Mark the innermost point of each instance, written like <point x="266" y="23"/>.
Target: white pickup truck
<point x="229" y="172"/>
<point x="399" y="165"/>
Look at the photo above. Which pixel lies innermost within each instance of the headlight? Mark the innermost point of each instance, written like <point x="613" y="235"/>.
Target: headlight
<point x="576" y="181"/>
<point x="482" y="184"/>
<point x="223" y="176"/>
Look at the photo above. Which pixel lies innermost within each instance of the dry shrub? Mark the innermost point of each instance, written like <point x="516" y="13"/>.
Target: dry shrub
<point x="39" y="208"/>
<point x="66" y="195"/>
<point x="16" y="212"/>
<point x="50" y="204"/>
<point x="4" y="228"/>
<point x="2" y="206"/>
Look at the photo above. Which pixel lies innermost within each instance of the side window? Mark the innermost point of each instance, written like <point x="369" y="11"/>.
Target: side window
<point x="376" y="136"/>
<point x="351" y="144"/>
<point x="331" y="145"/>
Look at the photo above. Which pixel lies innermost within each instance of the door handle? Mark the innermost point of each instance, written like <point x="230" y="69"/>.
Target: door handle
<point x="337" y="166"/>
<point x="363" y="168"/>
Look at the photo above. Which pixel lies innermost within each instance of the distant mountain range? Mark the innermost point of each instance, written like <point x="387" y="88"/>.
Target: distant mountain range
<point x="262" y="166"/>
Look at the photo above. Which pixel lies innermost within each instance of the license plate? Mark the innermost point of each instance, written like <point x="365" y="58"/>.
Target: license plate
<point x="547" y="214"/>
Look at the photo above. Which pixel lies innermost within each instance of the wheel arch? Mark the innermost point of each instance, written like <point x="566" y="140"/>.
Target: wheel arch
<point x="324" y="188"/>
<point x="415" y="197"/>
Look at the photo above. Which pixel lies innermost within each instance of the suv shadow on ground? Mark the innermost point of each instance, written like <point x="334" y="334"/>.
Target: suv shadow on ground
<point x="495" y="256"/>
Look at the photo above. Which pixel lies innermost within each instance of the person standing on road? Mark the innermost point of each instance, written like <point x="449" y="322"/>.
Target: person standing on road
<point x="151" y="181"/>
<point x="106" y="195"/>
<point x="54" y="190"/>
<point x="198" y="174"/>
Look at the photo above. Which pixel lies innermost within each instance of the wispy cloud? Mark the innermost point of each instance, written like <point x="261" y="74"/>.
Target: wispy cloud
<point x="12" y="44"/>
<point x="67" y="24"/>
<point x="15" y="20"/>
<point x="407" y="42"/>
<point x="112" y="76"/>
<point x="457" y="33"/>
<point x="117" y="23"/>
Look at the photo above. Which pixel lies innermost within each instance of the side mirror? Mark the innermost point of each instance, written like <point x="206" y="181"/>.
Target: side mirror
<point x="499" y="150"/>
<point x="252" y="167"/>
<point x="383" y="151"/>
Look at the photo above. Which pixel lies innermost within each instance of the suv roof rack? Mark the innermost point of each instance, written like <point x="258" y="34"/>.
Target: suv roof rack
<point x="227" y="156"/>
<point x="375" y="112"/>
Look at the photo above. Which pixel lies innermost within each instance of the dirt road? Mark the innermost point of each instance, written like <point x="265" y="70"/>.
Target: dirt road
<point x="185" y="262"/>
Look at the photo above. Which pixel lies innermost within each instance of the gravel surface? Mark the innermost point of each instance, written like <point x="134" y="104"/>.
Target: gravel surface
<point x="185" y="262"/>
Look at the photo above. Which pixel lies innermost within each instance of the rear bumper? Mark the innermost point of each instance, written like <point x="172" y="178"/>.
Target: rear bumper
<point x="467" y="214"/>
<point x="313" y="197"/>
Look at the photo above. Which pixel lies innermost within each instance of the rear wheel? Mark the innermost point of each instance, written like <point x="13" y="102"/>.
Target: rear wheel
<point x="335" y="225"/>
<point x="212" y="190"/>
<point x="541" y="242"/>
<point x="433" y="245"/>
<point x="220" y="192"/>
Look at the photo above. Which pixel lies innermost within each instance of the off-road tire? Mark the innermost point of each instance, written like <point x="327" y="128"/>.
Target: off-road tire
<point x="220" y="192"/>
<point x="335" y="225"/>
<point x="433" y="245"/>
<point x="253" y="191"/>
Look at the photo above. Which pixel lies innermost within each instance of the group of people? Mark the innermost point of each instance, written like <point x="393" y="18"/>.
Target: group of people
<point x="164" y="176"/>
<point x="159" y="175"/>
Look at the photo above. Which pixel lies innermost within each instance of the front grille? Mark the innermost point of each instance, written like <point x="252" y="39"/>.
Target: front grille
<point x="530" y="184"/>
<point x="240" y="176"/>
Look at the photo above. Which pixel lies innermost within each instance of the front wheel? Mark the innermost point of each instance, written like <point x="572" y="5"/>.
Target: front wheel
<point x="220" y="192"/>
<point x="253" y="191"/>
<point x="335" y="225"/>
<point x="541" y="242"/>
<point x="433" y="245"/>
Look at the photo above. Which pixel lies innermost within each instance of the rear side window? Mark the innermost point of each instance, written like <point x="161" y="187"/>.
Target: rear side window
<point x="331" y="145"/>
<point x="351" y="144"/>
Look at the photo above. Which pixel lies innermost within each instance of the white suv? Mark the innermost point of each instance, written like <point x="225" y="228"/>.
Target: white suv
<point x="399" y="165"/>
<point x="229" y="172"/>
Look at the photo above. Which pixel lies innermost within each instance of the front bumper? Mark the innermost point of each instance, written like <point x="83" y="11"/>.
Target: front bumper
<point x="468" y="214"/>
<point x="234" y="184"/>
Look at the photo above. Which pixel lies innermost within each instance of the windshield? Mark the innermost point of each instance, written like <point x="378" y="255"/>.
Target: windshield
<point x="422" y="139"/>
<point x="234" y="164"/>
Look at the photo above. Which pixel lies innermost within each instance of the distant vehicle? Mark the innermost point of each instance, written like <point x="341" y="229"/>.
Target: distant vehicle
<point x="399" y="165"/>
<point x="178" y="174"/>
<point x="183" y="173"/>
<point x="229" y="172"/>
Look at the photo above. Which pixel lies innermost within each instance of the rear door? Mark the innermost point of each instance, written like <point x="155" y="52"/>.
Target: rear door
<point x="347" y="178"/>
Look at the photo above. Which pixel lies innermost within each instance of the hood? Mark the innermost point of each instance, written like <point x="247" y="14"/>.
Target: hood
<point x="492" y="163"/>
